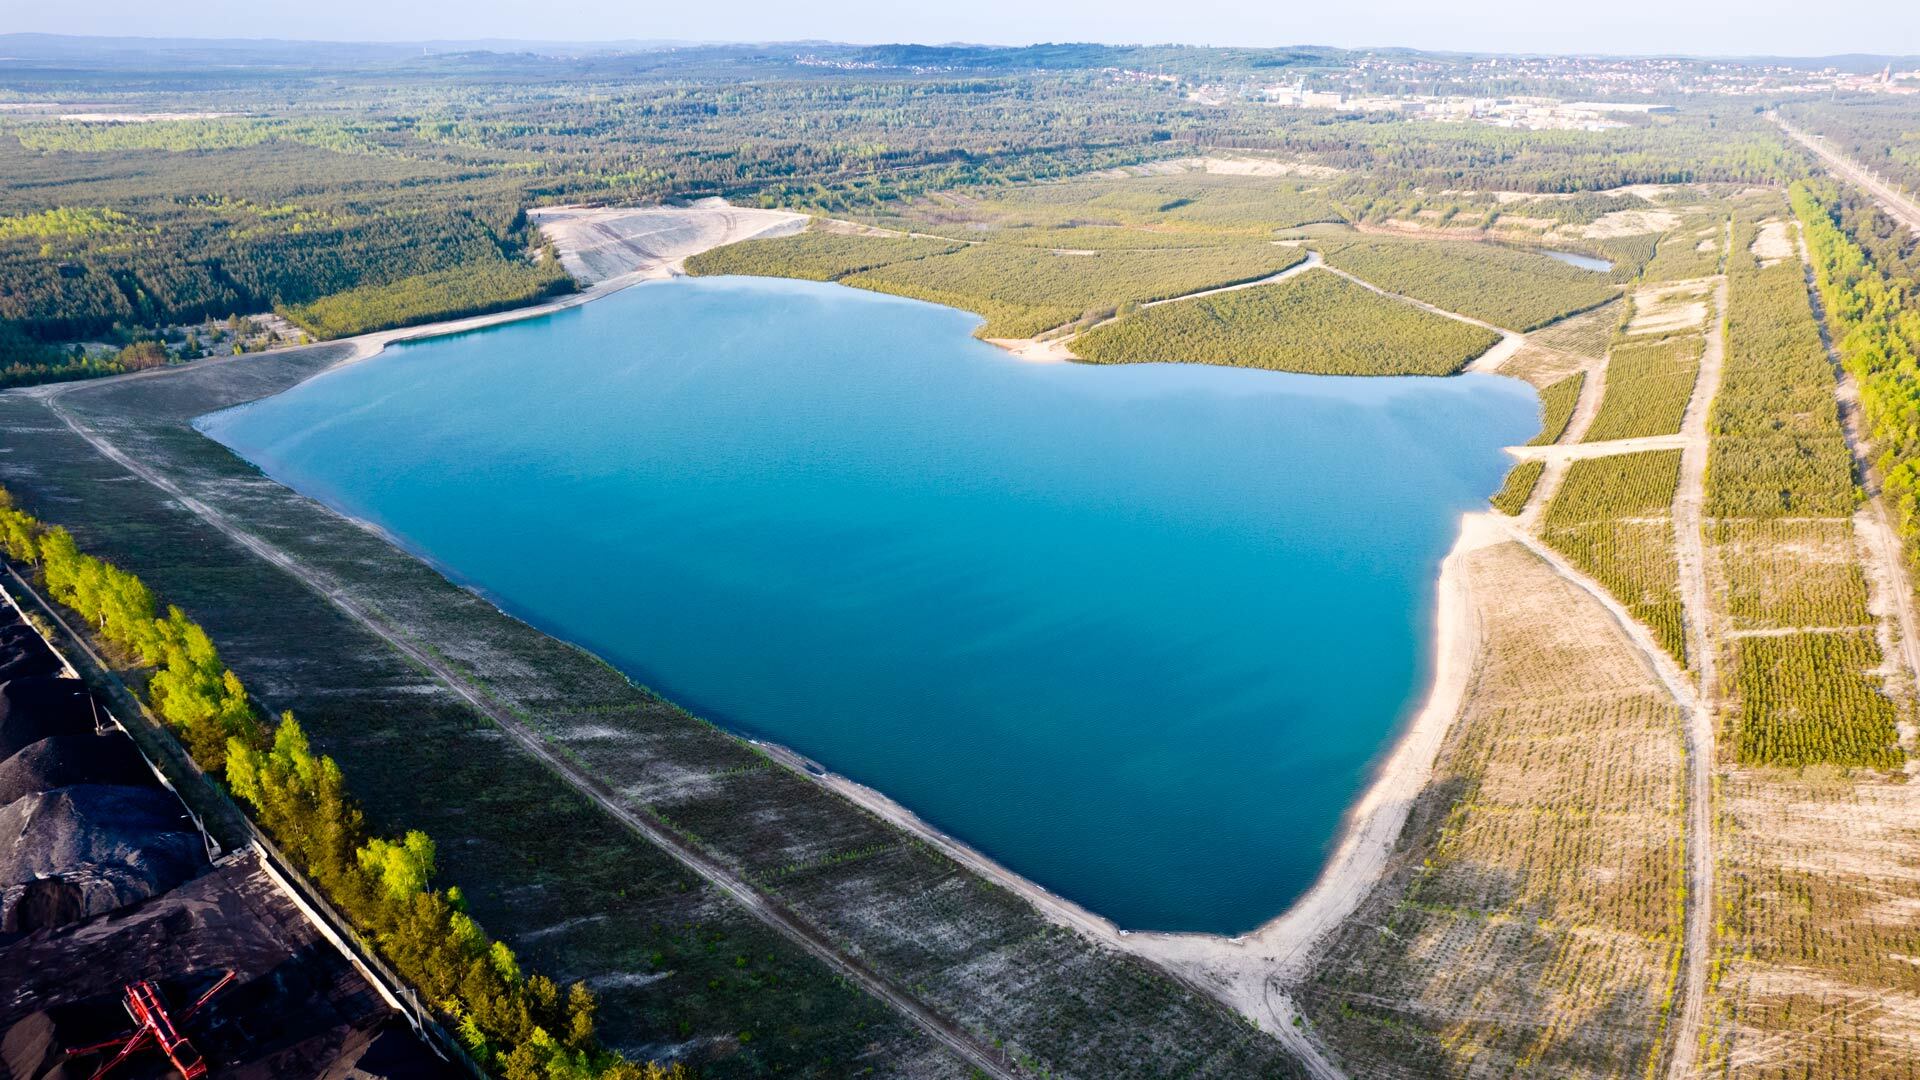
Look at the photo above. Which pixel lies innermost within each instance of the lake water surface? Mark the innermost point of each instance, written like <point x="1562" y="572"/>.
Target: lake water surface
<point x="1584" y="262"/>
<point x="1137" y="633"/>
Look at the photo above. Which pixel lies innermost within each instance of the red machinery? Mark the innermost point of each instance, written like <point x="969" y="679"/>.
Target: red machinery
<point x="152" y="1023"/>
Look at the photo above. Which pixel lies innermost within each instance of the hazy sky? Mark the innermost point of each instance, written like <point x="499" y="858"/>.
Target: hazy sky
<point x="1705" y="27"/>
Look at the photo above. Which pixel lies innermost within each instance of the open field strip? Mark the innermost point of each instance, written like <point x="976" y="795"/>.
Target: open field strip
<point x="1816" y="975"/>
<point x="1582" y="451"/>
<point x="1531" y="909"/>
<point x="1689" y="545"/>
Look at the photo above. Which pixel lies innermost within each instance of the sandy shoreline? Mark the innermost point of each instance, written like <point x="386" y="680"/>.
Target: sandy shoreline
<point x="1253" y="971"/>
<point x="606" y="250"/>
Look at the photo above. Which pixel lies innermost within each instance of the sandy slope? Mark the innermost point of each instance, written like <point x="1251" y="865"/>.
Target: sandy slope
<point x="604" y="243"/>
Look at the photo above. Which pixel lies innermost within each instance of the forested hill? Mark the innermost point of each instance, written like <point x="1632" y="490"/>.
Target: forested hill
<point x="151" y="185"/>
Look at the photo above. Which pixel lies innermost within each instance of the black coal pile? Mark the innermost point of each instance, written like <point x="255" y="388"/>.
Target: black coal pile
<point x="23" y="654"/>
<point x="38" y="708"/>
<point x="89" y="849"/>
<point x="66" y="760"/>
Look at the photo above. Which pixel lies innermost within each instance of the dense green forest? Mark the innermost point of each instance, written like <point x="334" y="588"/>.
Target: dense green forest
<point x="1517" y="290"/>
<point x="1873" y="305"/>
<point x="359" y="187"/>
<point x="1880" y="132"/>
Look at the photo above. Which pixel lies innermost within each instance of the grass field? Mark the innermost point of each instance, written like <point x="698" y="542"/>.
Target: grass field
<point x="1612" y="517"/>
<point x="1518" y="487"/>
<point x="1316" y="322"/>
<point x="813" y="255"/>
<point x="1648" y="386"/>
<point x="1778" y="449"/>
<point x="1557" y="403"/>
<point x="1779" y="574"/>
<point x="1024" y="291"/>
<point x="1117" y="211"/>
<point x="1585" y="335"/>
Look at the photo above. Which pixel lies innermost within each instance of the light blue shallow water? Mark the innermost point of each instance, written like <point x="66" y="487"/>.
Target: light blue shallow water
<point x="1584" y="262"/>
<point x="1136" y="632"/>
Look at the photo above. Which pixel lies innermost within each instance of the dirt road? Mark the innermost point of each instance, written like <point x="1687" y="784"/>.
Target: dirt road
<point x="1563" y="451"/>
<point x="1689" y="532"/>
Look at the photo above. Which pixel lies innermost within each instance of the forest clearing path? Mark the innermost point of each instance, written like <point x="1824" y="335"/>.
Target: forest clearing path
<point x="1898" y="206"/>
<point x="1689" y="528"/>
<point x="1564" y="451"/>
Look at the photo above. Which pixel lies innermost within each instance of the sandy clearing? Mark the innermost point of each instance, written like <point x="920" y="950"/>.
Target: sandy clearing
<point x="1630" y="223"/>
<point x="1571" y="451"/>
<point x="1223" y="165"/>
<point x="140" y="118"/>
<point x="1666" y="308"/>
<point x="1773" y="243"/>
<point x="1689" y="526"/>
<point x="1592" y="392"/>
<point x="602" y="243"/>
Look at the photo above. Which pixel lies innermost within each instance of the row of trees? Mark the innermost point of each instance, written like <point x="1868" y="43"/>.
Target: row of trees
<point x="522" y="1026"/>
<point x="1875" y="319"/>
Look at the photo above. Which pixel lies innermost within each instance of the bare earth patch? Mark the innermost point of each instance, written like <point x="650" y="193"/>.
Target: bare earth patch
<point x="1773" y="243"/>
<point x="601" y="243"/>
<point x="1631" y="223"/>
<point x="1665" y="309"/>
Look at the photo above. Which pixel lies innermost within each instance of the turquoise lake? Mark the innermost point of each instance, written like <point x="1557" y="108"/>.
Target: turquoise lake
<point x="1138" y="633"/>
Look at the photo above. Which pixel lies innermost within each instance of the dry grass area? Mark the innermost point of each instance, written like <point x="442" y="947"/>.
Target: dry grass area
<point x="1630" y="223"/>
<point x="1772" y="243"/>
<point x="1574" y="344"/>
<point x="1666" y="309"/>
<point x="1585" y="335"/>
<point x="1774" y="574"/>
<point x="1530" y="927"/>
<point x="1818" y="971"/>
<point x="1543" y="366"/>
